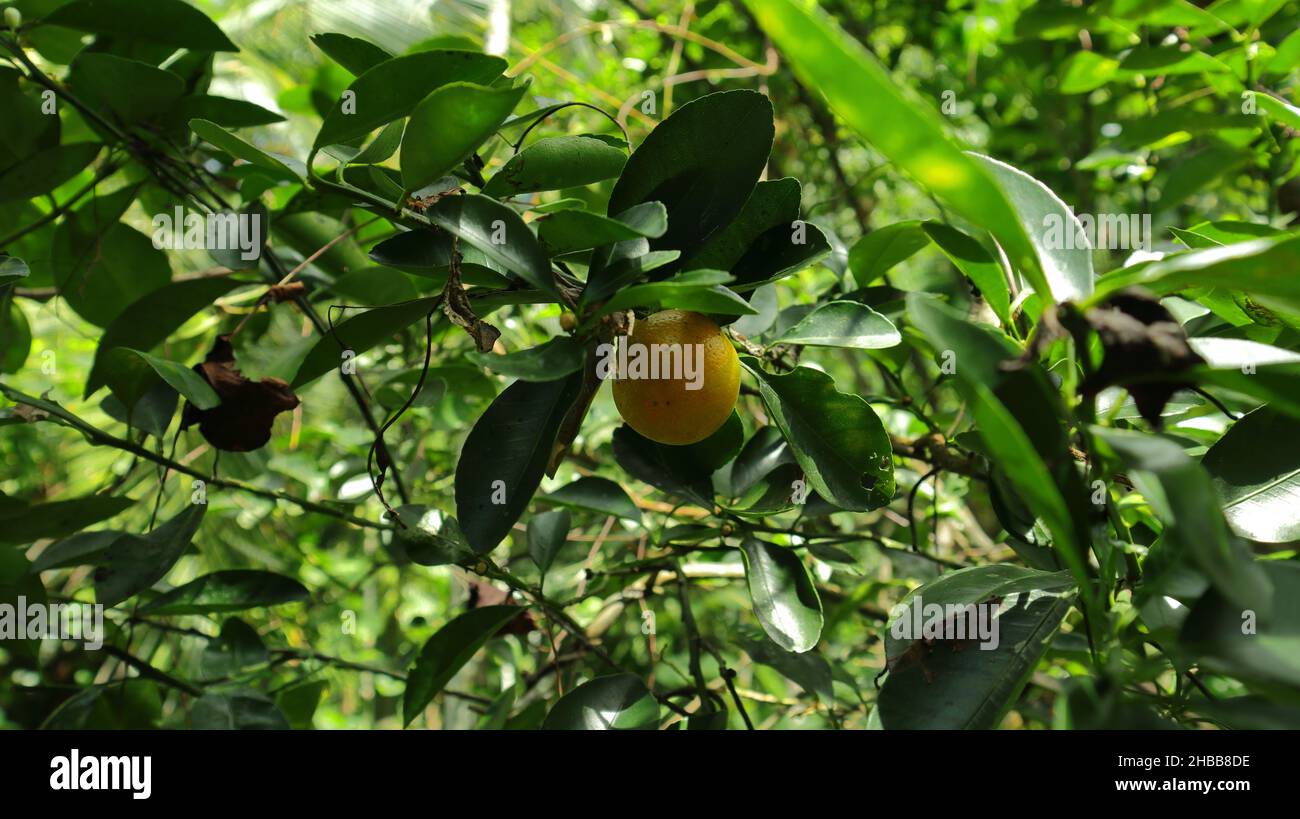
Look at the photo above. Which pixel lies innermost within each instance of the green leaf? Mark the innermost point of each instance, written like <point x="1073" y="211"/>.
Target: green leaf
<point x="679" y="470"/>
<point x="21" y="524"/>
<point x="46" y="170"/>
<point x="12" y="271"/>
<point x="557" y="162"/>
<point x="595" y="494"/>
<point x="1255" y="640"/>
<point x="567" y="231"/>
<point x="449" y="125"/>
<point x="182" y="379"/>
<point x="226" y="112"/>
<point x="129" y="90"/>
<point x="701" y="162"/>
<point x="505" y="455"/>
<point x="976" y="264"/>
<point x="299" y="702"/>
<point x="874" y="254"/>
<point x="101" y="265"/>
<point x="430" y="538"/>
<point x="1016" y="414"/>
<point x="353" y="53"/>
<point x="1189" y="508"/>
<point x="1066" y="266"/>
<point x="546" y="535"/>
<point x="165" y="22"/>
<point x="1255" y="266"/>
<point x="147" y="322"/>
<point x="230" y="590"/>
<point x="447" y="651"/>
<point x="904" y="127"/>
<point x="809" y="670"/>
<point x="836" y="437"/>
<point x="949" y="687"/>
<point x="428" y="253"/>
<point x="785" y="599"/>
<point x="238" y="647"/>
<point x="236" y="711"/>
<point x="843" y="324"/>
<point x="80" y="549"/>
<point x="280" y="167"/>
<point x="1255" y="469"/>
<point x="498" y="232"/>
<point x="963" y="587"/>
<point x="390" y="90"/>
<point x="1280" y="110"/>
<point x="358" y="334"/>
<point x="766" y="241"/>
<point x="546" y="362"/>
<point x="15" y="336"/>
<point x="136" y="562"/>
<point x="618" y="701"/>
<point x="697" y="290"/>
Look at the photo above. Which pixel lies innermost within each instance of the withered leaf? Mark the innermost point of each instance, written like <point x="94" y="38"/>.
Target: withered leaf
<point x="482" y="593"/>
<point x="242" y="421"/>
<point x="280" y="293"/>
<point x="455" y="303"/>
<point x="1143" y="347"/>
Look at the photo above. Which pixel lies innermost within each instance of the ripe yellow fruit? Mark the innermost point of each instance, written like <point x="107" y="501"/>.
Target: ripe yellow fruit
<point x="658" y="401"/>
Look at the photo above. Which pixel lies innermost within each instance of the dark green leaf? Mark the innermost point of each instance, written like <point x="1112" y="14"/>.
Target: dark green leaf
<point x="449" y="125"/>
<point x="546" y="362"/>
<point x="447" y="651"/>
<point x="836" y="437"/>
<point x="596" y="494"/>
<point x="546" y="535"/>
<point x="557" y="162"/>
<point x="230" y="590"/>
<point x="505" y="455"/>
<point x="619" y="701"/>
<point x="165" y="22"/>
<point x="21" y="524"/>
<point x="785" y="599"/>
<point x="136" y="562"/>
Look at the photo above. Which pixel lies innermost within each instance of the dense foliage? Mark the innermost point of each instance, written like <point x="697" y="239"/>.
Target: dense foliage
<point x="300" y="311"/>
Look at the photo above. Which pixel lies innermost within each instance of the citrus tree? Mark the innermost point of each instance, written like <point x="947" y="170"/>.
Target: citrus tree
<point x="321" y="423"/>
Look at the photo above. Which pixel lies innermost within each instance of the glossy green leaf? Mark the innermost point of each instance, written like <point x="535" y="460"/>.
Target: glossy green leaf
<point x="701" y="162"/>
<point x="679" y="470"/>
<point x="183" y="379"/>
<point x="129" y="90"/>
<point x="836" y="437"/>
<point x="843" y="324"/>
<point x="698" y="290"/>
<point x="546" y="362"/>
<point x="951" y="687"/>
<point x="447" y="651"/>
<point x="357" y="335"/>
<point x="353" y="53"/>
<point x="498" y="232"/>
<point x="449" y="125"/>
<point x="595" y="494"/>
<point x="547" y="532"/>
<point x="1255" y="470"/>
<point x="566" y="231"/>
<point x="619" y="701"/>
<point x="557" y="162"/>
<point x="976" y="264"/>
<point x="280" y="167"/>
<point x="766" y="241"/>
<point x="392" y="89"/>
<point x="872" y="256"/>
<point x="505" y="456"/>
<point x="784" y="597"/>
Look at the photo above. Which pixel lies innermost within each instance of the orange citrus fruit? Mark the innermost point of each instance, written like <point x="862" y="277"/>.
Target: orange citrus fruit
<point x="681" y="379"/>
